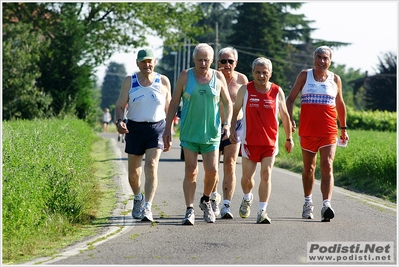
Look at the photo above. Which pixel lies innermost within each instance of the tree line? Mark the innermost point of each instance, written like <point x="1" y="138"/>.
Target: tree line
<point x="50" y="51"/>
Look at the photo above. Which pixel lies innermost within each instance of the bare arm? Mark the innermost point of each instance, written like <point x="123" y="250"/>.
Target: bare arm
<point x="121" y="104"/>
<point x="227" y="104"/>
<point x="167" y="91"/>
<point x="172" y="109"/>
<point x="236" y="109"/>
<point x="341" y="107"/>
<point x="290" y="100"/>
<point x="285" y="118"/>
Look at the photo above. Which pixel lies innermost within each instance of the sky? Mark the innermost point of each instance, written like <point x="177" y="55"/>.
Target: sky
<point x="370" y="26"/>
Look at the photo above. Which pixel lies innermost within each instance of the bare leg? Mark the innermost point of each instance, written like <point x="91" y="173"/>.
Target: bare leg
<point x="151" y="173"/>
<point x="229" y="170"/>
<point x="211" y="164"/>
<point x="309" y="166"/>
<point x="248" y="173"/>
<point x="327" y="155"/>
<point x="190" y="177"/>
<point x="265" y="185"/>
<point x="134" y="170"/>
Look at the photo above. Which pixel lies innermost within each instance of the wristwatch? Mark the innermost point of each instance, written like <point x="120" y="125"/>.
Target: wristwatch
<point x="118" y="121"/>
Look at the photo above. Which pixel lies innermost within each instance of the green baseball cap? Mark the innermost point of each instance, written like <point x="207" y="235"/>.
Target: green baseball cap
<point x="144" y="54"/>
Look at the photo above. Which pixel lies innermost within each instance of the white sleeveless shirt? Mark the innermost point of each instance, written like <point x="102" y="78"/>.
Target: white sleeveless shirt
<point x="146" y="104"/>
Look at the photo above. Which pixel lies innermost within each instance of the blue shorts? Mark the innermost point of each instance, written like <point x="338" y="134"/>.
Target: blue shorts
<point x="227" y="142"/>
<point x="144" y="135"/>
<point x="202" y="148"/>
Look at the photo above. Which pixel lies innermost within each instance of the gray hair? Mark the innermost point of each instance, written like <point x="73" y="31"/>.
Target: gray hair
<point x="261" y="61"/>
<point x="203" y="47"/>
<point x="323" y="49"/>
<point x="227" y="50"/>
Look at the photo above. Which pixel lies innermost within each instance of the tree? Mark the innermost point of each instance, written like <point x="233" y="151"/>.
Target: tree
<point x="22" y="98"/>
<point x="348" y="88"/>
<point x="380" y="89"/>
<point x="112" y="84"/>
<point x="258" y="33"/>
<point x="83" y="35"/>
<point x="213" y="14"/>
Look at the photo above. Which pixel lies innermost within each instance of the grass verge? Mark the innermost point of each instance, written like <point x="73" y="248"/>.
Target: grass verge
<point x="58" y="231"/>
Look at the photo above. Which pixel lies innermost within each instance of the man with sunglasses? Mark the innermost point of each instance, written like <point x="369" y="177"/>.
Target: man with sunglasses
<point x="227" y="62"/>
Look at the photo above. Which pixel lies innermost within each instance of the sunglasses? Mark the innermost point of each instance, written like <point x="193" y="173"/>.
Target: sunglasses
<point x="224" y="61"/>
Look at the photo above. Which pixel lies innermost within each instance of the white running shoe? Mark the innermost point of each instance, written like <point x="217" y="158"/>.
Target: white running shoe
<point x="209" y="215"/>
<point x="138" y="207"/>
<point x="215" y="200"/>
<point x="245" y="208"/>
<point x="307" y="210"/>
<point x="225" y="212"/>
<point x="327" y="212"/>
<point x="147" y="215"/>
<point x="263" y="218"/>
<point x="189" y="218"/>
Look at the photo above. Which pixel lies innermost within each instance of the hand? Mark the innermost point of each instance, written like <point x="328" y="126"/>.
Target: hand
<point x="167" y="140"/>
<point x="121" y="127"/>
<point x="233" y="137"/>
<point x="226" y="132"/>
<point x="344" y="135"/>
<point x="289" y="146"/>
<point x="293" y="124"/>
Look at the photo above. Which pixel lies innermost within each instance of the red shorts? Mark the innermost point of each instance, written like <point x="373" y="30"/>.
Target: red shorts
<point x="257" y="153"/>
<point x="314" y="143"/>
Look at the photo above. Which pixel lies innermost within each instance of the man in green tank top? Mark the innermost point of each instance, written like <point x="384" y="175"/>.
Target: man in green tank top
<point x="201" y="89"/>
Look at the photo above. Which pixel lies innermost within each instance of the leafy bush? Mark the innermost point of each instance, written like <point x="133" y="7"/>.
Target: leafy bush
<point x="371" y="120"/>
<point x="365" y="120"/>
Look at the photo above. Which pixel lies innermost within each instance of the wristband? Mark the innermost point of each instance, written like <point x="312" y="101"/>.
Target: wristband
<point x="288" y="139"/>
<point x="118" y="121"/>
<point x="343" y="128"/>
<point x="226" y="123"/>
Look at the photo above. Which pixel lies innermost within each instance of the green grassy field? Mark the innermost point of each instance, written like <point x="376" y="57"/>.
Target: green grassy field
<point x="57" y="184"/>
<point x="366" y="165"/>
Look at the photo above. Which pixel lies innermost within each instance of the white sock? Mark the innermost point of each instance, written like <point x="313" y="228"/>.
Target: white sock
<point x="147" y="205"/>
<point x="308" y="198"/>
<point x="262" y="206"/>
<point x="138" y="197"/>
<point x="325" y="201"/>
<point x="248" y="197"/>
<point x="213" y="195"/>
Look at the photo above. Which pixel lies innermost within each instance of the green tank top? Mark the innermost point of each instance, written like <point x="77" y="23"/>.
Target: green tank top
<point x="200" y="115"/>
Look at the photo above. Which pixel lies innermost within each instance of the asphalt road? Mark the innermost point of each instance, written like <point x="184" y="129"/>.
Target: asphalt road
<point x="125" y="241"/>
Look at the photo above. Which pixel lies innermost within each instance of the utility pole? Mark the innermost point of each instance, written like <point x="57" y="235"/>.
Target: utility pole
<point x="179" y="60"/>
<point x="184" y="53"/>
<point x="217" y="39"/>
<point x="189" y="53"/>
<point x="174" y="69"/>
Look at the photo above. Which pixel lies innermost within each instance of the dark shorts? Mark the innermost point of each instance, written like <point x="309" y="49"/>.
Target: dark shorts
<point x="227" y="142"/>
<point x="144" y="135"/>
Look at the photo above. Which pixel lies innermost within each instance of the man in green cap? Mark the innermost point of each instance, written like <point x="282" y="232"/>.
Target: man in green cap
<point x="147" y="94"/>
